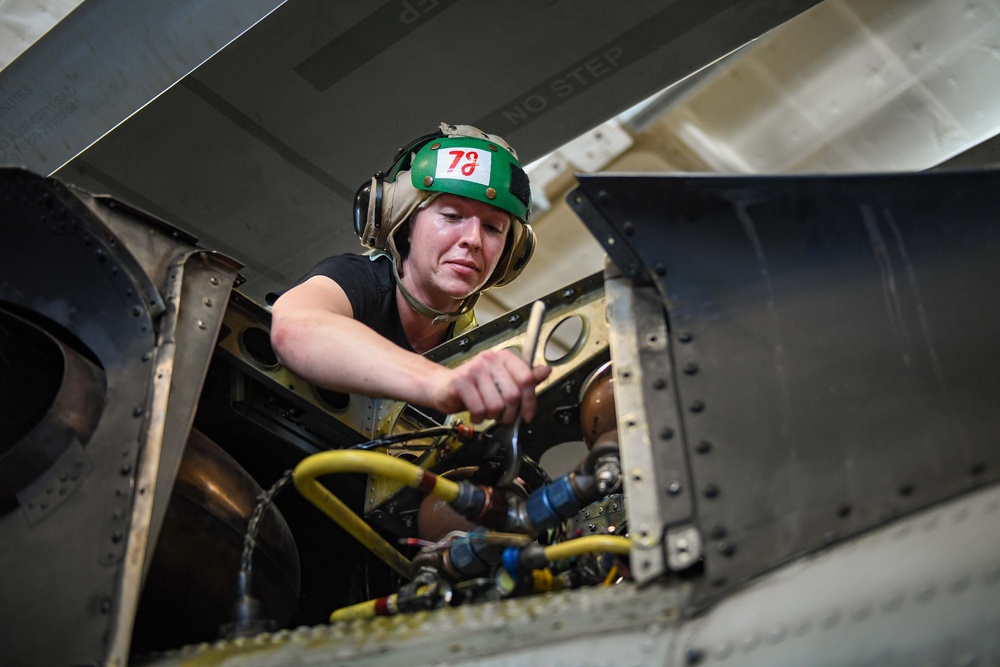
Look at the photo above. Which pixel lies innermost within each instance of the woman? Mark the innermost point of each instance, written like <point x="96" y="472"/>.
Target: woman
<point x="448" y="221"/>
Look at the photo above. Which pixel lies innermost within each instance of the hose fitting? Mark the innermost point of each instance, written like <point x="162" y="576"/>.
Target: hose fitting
<point x="553" y="503"/>
<point x="471" y="556"/>
<point x="486" y="505"/>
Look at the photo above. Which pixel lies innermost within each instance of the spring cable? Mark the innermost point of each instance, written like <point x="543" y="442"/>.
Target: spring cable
<point x="263" y="500"/>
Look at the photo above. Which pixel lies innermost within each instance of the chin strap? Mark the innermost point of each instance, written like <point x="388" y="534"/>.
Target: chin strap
<point x="437" y="316"/>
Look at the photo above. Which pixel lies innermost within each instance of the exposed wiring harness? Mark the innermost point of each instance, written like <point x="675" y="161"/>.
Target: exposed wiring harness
<point x="458" y="429"/>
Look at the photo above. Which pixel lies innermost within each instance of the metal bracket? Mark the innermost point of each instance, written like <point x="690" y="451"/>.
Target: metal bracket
<point x="684" y="547"/>
<point x="657" y="481"/>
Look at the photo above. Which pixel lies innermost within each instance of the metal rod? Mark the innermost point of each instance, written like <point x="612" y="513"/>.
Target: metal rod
<point x="531" y="336"/>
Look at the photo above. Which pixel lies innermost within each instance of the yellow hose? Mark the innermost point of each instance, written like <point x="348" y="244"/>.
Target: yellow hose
<point x="589" y="544"/>
<point x="372" y="463"/>
<point x="370" y="608"/>
<point x="375" y="463"/>
<point x="364" y="609"/>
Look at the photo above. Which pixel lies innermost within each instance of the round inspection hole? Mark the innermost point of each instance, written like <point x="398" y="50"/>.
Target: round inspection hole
<point x="335" y="400"/>
<point x="565" y="340"/>
<point x="256" y="343"/>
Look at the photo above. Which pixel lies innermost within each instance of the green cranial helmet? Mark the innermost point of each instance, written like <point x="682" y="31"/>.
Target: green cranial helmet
<point x="460" y="160"/>
<point x="480" y="167"/>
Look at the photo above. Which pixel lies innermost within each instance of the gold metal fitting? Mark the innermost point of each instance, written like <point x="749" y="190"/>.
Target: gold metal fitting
<point x="491" y="193"/>
<point x="428" y="180"/>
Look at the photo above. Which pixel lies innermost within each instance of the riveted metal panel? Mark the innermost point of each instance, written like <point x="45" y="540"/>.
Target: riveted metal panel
<point x="59" y="575"/>
<point x="83" y="273"/>
<point x="833" y="341"/>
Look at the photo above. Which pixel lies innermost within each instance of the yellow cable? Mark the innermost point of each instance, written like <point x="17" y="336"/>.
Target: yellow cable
<point x="360" y="610"/>
<point x="372" y="463"/>
<point x="589" y="544"/>
<point x="369" y="608"/>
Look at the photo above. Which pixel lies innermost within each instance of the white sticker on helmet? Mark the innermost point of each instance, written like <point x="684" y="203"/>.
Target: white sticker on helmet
<point x="467" y="164"/>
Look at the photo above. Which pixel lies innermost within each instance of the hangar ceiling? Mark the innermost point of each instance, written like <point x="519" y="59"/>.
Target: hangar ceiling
<point x="250" y="124"/>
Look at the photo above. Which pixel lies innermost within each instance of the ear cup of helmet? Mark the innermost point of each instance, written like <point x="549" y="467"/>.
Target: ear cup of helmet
<point x="369" y="215"/>
<point x="368" y="210"/>
<point x="522" y="253"/>
<point x="511" y="266"/>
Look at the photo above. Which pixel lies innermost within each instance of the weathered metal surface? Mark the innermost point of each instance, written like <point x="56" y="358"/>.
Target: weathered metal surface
<point x="654" y="472"/>
<point x="53" y="399"/>
<point x="831" y="342"/>
<point x="63" y="574"/>
<point x="923" y="590"/>
<point x="76" y="573"/>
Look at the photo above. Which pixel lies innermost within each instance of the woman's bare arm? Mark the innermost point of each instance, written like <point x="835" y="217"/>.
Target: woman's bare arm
<point x="314" y="334"/>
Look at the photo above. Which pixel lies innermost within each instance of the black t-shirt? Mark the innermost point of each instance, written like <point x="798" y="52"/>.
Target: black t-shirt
<point x="369" y="287"/>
